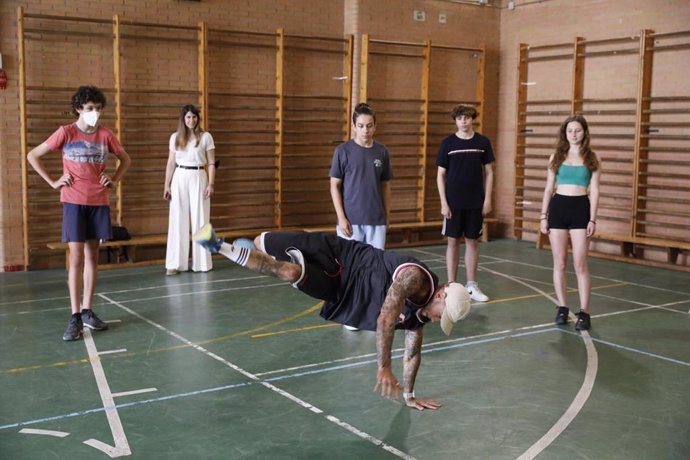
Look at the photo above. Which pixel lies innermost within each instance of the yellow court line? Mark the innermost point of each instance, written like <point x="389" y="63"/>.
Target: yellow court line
<point x="533" y="296"/>
<point x="176" y="347"/>
<point x="287" y="331"/>
<point x="507" y="299"/>
<point x="257" y="329"/>
<point x="265" y="326"/>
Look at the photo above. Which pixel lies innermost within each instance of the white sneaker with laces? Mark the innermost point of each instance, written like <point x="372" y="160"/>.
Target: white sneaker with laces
<point x="475" y="293"/>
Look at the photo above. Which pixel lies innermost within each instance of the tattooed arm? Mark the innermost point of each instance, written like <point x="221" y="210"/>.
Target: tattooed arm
<point x="409" y="282"/>
<point x="412" y="360"/>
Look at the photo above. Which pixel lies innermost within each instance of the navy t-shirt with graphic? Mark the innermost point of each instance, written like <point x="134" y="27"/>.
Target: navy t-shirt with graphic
<point x="464" y="160"/>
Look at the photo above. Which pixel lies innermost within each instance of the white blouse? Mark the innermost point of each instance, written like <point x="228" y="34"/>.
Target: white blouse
<point x="192" y="155"/>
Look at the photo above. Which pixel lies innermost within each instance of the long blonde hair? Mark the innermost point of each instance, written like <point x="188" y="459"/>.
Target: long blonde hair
<point x="588" y="156"/>
<point x="184" y="133"/>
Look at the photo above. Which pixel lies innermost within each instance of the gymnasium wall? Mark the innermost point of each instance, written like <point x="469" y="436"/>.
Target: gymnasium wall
<point x="498" y="30"/>
<point x="165" y="75"/>
<point x="561" y="21"/>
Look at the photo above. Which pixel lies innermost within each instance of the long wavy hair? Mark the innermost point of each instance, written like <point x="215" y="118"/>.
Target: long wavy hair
<point x="184" y="133"/>
<point x="589" y="158"/>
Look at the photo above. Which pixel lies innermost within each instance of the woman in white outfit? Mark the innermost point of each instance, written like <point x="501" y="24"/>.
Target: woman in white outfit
<point x="189" y="178"/>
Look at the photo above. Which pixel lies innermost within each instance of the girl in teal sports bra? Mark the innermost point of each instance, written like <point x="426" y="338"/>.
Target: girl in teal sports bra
<point x="569" y="210"/>
<point x="573" y="175"/>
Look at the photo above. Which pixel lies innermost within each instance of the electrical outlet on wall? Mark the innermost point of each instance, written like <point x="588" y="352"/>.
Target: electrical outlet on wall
<point x="442" y="18"/>
<point x="419" y="15"/>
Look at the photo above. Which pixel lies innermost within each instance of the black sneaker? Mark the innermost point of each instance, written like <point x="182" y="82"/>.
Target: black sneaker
<point x="92" y="321"/>
<point x="74" y="328"/>
<point x="583" y="322"/>
<point x="562" y="316"/>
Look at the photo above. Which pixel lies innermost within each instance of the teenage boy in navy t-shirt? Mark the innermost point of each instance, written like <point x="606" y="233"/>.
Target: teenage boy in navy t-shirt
<point x="465" y="181"/>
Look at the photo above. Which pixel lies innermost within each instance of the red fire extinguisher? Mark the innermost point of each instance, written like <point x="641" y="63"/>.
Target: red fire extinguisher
<point x="3" y="75"/>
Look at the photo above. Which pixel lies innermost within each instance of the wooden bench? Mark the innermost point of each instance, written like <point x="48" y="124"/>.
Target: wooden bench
<point x="126" y="254"/>
<point x="631" y="248"/>
<point x="128" y="245"/>
<point x="409" y="227"/>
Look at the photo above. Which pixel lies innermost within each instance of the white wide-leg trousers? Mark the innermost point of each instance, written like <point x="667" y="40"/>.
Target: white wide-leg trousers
<point x="189" y="211"/>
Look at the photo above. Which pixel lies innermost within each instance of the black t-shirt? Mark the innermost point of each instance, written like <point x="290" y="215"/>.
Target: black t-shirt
<point x="367" y="274"/>
<point x="362" y="272"/>
<point x="464" y="160"/>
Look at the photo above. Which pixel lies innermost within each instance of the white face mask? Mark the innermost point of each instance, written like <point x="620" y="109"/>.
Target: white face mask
<point x="91" y="118"/>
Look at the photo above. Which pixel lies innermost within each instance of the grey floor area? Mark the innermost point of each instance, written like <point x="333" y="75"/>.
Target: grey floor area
<point x="232" y="365"/>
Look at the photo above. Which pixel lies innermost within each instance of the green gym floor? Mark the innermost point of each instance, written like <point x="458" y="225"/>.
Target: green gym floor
<point x="232" y="365"/>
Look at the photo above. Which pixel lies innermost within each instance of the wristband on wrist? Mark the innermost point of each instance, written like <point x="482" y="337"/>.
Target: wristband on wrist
<point x="407" y="396"/>
<point x="593" y="221"/>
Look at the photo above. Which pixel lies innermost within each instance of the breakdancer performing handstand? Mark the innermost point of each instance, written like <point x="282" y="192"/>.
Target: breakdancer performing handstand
<point x="363" y="287"/>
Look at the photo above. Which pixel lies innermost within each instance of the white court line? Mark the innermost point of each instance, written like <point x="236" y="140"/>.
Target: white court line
<point x="134" y="392"/>
<point x="574" y="408"/>
<point x="109" y="352"/>
<point x="268" y="385"/>
<point x="192" y="283"/>
<point x="57" y="434"/>
<point x="581" y="396"/>
<point x="195" y="293"/>
<point x="605" y="278"/>
<point x="540" y="267"/>
<point x="121" y="447"/>
<point x="141" y="299"/>
<point x="398" y="350"/>
<point x="460" y="339"/>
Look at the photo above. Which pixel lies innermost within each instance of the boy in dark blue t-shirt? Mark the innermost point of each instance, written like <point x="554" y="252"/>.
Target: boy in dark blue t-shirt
<point x="465" y="182"/>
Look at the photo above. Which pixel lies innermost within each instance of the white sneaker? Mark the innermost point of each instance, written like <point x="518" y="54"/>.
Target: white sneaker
<point x="475" y="293"/>
<point x="350" y="328"/>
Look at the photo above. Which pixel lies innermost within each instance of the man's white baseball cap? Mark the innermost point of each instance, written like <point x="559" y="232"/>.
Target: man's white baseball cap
<point x="457" y="306"/>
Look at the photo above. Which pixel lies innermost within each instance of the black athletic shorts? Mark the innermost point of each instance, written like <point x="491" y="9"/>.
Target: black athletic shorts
<point x="568" y="212"/>
<point x="321" y="253"/>
<point x="464" y="222"/>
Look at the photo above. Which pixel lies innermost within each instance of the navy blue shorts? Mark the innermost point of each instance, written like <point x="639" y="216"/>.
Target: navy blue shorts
<point x="464" y="222"/>
<point x="568" y="212"/>
<point x="81" y="223"/>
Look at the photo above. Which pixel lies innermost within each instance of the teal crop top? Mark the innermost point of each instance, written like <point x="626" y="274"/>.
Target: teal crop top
<point x="573" y="175"/>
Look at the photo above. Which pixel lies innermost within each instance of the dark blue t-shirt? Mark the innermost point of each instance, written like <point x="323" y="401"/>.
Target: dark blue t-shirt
<point x="464" y="160"/>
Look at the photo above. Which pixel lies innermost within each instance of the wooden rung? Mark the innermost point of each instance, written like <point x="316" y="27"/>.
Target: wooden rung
<point x="552" y="57"/>
<point x="609" y="52"/>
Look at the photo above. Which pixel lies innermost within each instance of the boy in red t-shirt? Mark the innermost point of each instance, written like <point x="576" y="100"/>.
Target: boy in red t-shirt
<point x="84" y="195"/>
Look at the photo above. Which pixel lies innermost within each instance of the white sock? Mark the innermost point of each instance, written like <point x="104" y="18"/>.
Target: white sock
<point x="238" y="255"/>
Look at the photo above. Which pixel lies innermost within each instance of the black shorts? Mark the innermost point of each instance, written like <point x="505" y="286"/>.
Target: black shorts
<point x="81" y="223"/>
<point x="321" y="253"/>
<point x="464" y="222"/>
<point x="568" y="212"/>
